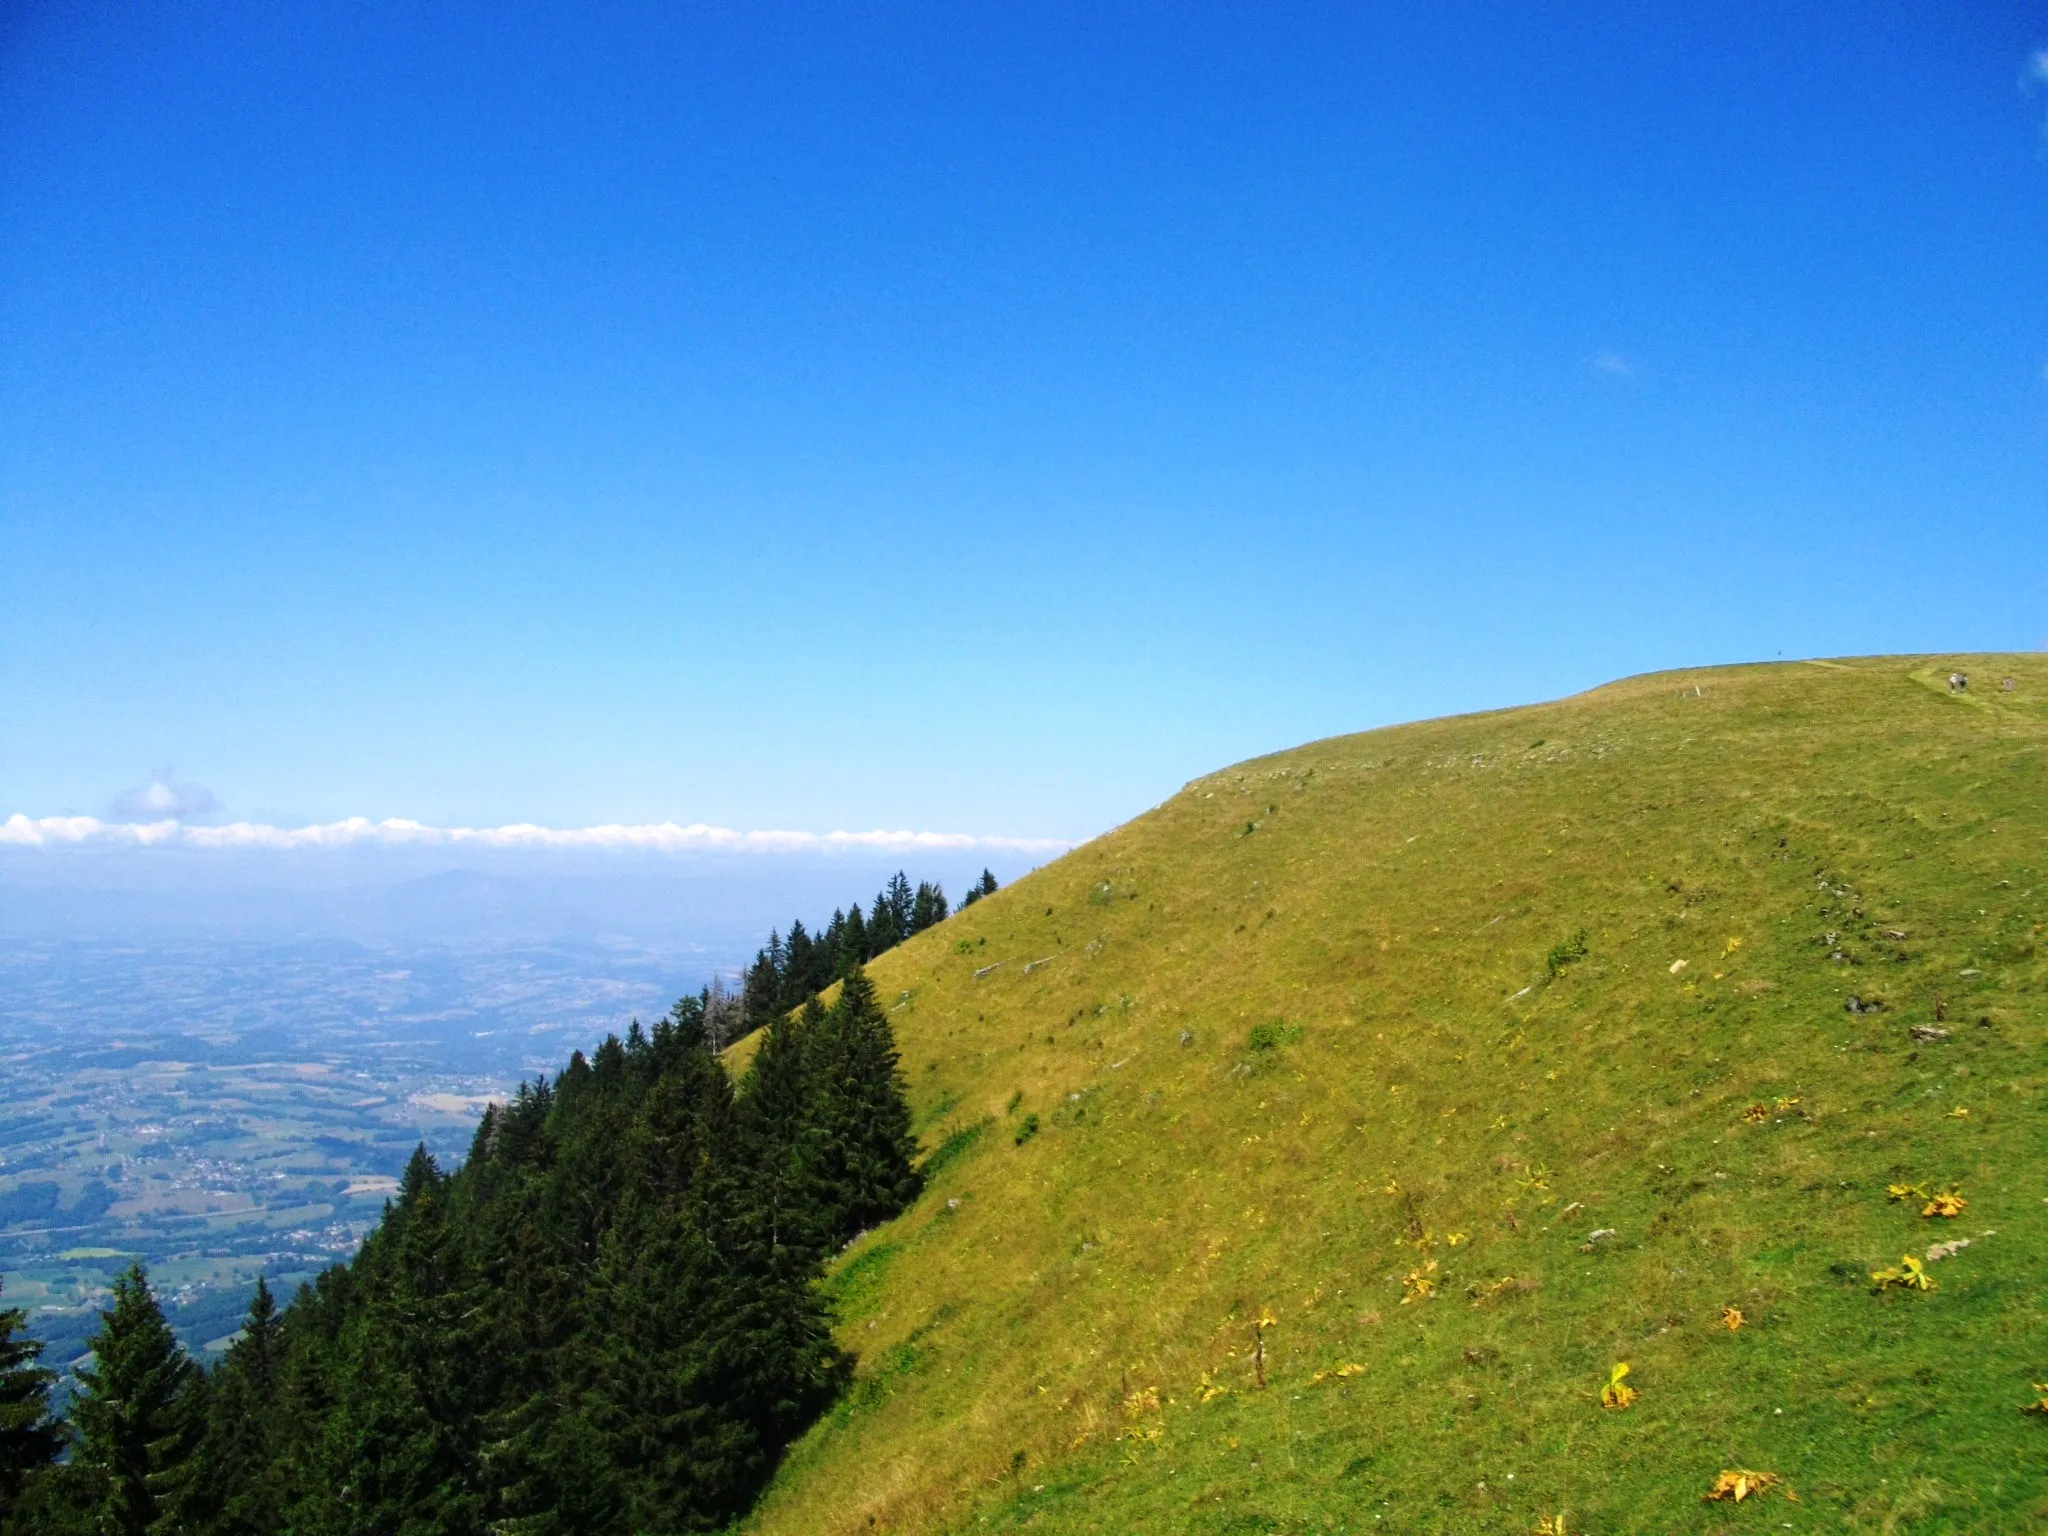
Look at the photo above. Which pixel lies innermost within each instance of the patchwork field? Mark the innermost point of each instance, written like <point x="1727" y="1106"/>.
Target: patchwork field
<point x="228" y="1110"/>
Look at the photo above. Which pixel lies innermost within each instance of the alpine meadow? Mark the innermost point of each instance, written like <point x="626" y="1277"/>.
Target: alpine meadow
<point x="1309" y="1153"/>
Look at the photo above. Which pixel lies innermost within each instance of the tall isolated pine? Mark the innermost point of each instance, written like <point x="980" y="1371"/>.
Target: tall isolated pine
<point x="861" y="1148"/>
<point x="137" y="1413"/>
<point x="29" y="1438"/>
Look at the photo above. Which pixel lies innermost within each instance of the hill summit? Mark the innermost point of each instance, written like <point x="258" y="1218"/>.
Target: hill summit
<point x="1619" y="1114"/>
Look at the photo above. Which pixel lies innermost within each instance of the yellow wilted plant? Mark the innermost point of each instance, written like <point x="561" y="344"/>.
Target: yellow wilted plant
<point x="1905" y="1192"/>
<point x="1552" y="1525"/>
<point x="1732" y="1318"/>
<point x="1734" y="1487"/>
<point x="1909" y="1276"/>
<point x="1948" y="1204"/>
<point x="2040" y="1404"/>
<point x="1419" y="1284"/>
<point x="1617" y="1393"/>
<point x="1210" y="1389"/>
<point x="1756" y="1114"/>
<point x="1339" y="1374"/>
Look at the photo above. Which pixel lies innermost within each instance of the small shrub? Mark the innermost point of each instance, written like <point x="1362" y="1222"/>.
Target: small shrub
<point x="1267" y="1037"/>
<point x="1015" y="1099"/>
<point x="1566" y="951"/>
<point x="1027" y="1129"/>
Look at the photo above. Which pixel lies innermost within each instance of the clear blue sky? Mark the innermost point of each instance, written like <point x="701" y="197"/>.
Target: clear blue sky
<point x="977" y="417"/>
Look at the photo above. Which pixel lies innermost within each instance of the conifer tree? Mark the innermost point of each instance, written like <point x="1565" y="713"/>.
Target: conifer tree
<point x="29" y="1437"/>
<point x="928" y="906"/>
<point x="860" y="1146"/>
<point x="136" y="1414"/>
<point x="853" y="943"/>
<point x="234" y="1490"/>
<point x="401" y="1441"/>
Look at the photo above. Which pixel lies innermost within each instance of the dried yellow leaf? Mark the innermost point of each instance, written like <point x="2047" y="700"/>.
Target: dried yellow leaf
<point x="1734" y="1487"/>
<point x="1756" y="1114"/>
<point x="1732" y="1318"/>
<point x="1948" y="1204"/>
<point x="1418" y="1284"/>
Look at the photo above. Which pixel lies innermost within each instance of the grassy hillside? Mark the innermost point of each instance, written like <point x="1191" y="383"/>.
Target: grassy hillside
<point x="1371" y="1038"/>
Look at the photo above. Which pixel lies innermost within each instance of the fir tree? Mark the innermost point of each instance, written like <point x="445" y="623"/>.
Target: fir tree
<point x="927" y="907"/>
<point x="853" y="943"/>
<point x="235" y="1490"/>
<point x="860" y="1145"/>
<point x="136" y="1412"/>
<point x="29" y="1438"/>
<point x="985" y="886"/>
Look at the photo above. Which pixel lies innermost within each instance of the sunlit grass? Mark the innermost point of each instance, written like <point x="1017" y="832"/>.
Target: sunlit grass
<point x="1431" y="1074"/>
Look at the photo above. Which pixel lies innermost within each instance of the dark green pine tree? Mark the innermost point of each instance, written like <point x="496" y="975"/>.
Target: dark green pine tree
<point x="853" y="942"/>
<point x="29" y="1437"/>
<point x="928" y="906"/>
<point x="716" y="1348"/>
<point x="860" y="1146"/>
<point x="802" y="967"/>
<point x="137" y="1414"/>
<point x="774" y="1115"/>
<point x="401" y="1441"/>
<point x="236" y="1488"/>
<point x="985" y="886"/>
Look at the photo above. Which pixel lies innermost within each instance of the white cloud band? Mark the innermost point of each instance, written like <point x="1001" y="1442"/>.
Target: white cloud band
<point x="653" y="837"/>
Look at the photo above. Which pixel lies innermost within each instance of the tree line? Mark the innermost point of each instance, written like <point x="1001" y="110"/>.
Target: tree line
<point x="792" y="967"/>
<point x="605" y="1321"/>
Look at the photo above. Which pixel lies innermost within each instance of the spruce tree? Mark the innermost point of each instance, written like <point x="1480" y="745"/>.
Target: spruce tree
<point x="136" y="1413"/>
<point x="928" y="906"/>
<point x="860" y="1148"/>
<point x="235" y="1491"/>
<point x="853" y="943"/>
<point x="29" y="1438"/>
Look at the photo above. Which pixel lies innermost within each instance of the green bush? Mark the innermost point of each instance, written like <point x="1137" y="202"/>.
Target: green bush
<point x="1267" y="1037"/>
<point x="1565" y="951"/>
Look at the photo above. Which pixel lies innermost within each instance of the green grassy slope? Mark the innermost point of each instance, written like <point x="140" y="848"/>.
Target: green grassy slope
<point x="1293" y="1037"/>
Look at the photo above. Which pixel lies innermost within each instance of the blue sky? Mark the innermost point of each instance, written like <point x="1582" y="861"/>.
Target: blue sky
<point x="969" y="417"/>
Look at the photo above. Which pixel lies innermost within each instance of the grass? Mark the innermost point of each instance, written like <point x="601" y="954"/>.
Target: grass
<point x="1380" y="1069"/>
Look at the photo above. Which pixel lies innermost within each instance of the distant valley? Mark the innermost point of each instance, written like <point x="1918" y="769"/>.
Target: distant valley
<point x="222" y="1109"/>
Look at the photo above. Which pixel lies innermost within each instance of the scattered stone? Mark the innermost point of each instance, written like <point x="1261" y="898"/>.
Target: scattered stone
<point x="1857" y="1004"/>
<point x="1947" y="1250"/>
<point x="1928" y="1032"/>
<point x="987" y="968"/>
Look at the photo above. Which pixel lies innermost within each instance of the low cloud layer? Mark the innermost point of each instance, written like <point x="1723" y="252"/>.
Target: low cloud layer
<point x="358" y="831"/>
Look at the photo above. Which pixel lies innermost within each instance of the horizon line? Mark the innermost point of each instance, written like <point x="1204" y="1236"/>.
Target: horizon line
<point x="22" y="831"/>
